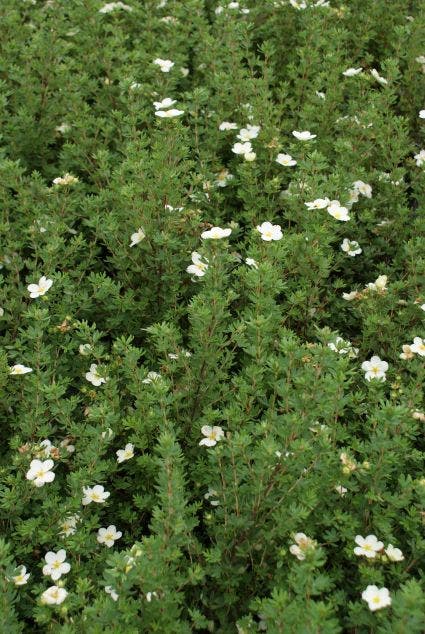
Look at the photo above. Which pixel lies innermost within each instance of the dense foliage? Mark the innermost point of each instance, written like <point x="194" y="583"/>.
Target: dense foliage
<point x="223" y="433"/>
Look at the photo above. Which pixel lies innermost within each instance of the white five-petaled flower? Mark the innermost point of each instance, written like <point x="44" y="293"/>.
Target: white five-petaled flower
<point x="212" y="435"/>
<point x="94" y="494"/>
<point x="350" y="296"/>
<point x="40" y="472"/>
<point x="376" y="598"/>
<point x="319" y="203"/>
<point x="363" y="188"/>
<point x="407" y="352"/>
<point x="286" y="160"/>
<point x="270" y="232"/>
<point x="22" y="577"/>
<point x="350" y="72"/>
<point x="377" y="76"/>
<point x="199" y="266"/>
<point x="420" y="158"/>
<point x="126" y="453"/>
<point x="351" y="247"/>
<point x="367" y="546"/>
<point x="66" y="179"/>
<point x="248" y="133"/>
<point x="165" y="103"/>
<point x="151" y="377"/>
<point x="113" y="6"/>
<point x="394" y="554"/>
<point x="338" y="212"/>
<point x="112" y="593"/>
<point x="69" y="525"/>
<point x="56" y="566"/>
<point x="212" y="493"/>
<point x="165" y="65"/>
<point x="94" y="377"/>
<point x="54" y="595"/>
<point x="216" y="233"/>
<point x="302" y="546"/>
<point x="375" y="369"/>
<point x="85" y="349"/>
<point x="341" y="490"/>
<point x="418" y="346"/>
<point x="343" y="347"/>
<point x="137" y="237"/>
<point x="108" y="536"/>
<point x="169" y="114"/>
<point x="379" y="285"/>
<point x="37" y="290"/>
<point x="19" y="369"/>
<point x="245" y="149"/>
<point x="305" y="135"/>
<point x="251" y="262"/>
<point x="223" y="178"/>
<point x="227" y="125"/>
<point x="421" y="114"/>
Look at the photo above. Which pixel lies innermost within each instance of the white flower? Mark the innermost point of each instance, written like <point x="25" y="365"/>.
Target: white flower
<point x="418" y="346"/>
<point x="420" y="158"/>
<point x="137" y="237"/>
<point x="298" y="4"/>
<point x="421" y="114"/>
<point x="169" y="114"/>
<point x="223" y="178"/>
<point x="407" y="352"/>
<point x="165" y="103"/>
<point x="40" y="472"/>
<point x="350" y="72"/>
<point x="108" y="535"/>
<point x="337" y="211"/>
<point x="320" y="94"/>
<point x="242" y="148"/>
<point x="37" y="290"/>
<point x="69" y="525"/>
<point x="112" y="6"/>
<point x="394" y="554"/>
<point x="56" y="566"/>
<point x="363" y="188"/>
<point x="251" y="262"/>
<point x="19" y="369"/>
<point x="94" y="377"/>
<point x="54" y="595"/>
<point x="22" y="577"/>
<point x="85" y="349"/>
<point x="367" y="546"/>
<point x="46" y="448"/>
<point x="351" y="247"/>
<point x="380" y="284"/>
<point x="212" y="493"/>
<point x="250" y="156"/>
<point x="63" y="128"/>
<point x="66" y="179"/>
<point x="286" y="160"/>
<point x="171" y="208"/>
<point x="343" y="347"/>
<point x="377" y="76"/>
<point x="420" y="59"/>
<point x="304" y="136"/>
<point x="341" y="490"/>
<point x="212" y="435"/>
<point x="151" y="377"/>
<point x="198" y="267"/>
<point x="165" y="64"/>
<point x="319" y="203"/>
<point x="270" y="232"/>
<point x="350" y="296"/>
<point x="94" y="494"/>
<point x="126" y="453"/>
<point x="376" y="598"/>
<point x="110" y="590"/>
<point x="422" y="307"/>
<point x="375" y="369"/>
<point x="302" y="546"/>
<point x="150" y="595"/>
<point x="216" y="233"/>
<point x="248" y="133"/>
<point x="227" y="125"/>
<point x="107" y="434"/>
